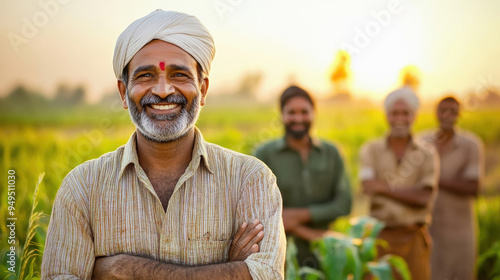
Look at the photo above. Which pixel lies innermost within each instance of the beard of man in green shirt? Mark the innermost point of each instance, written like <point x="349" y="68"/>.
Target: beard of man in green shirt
<point x="310" y="175"/>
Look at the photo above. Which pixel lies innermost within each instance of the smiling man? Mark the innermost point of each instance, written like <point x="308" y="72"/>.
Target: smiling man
<point x="453" y="226"/>
<point x="310" y="173"/>
<point x="167" y="205"/>
<point x="400" y="176"/>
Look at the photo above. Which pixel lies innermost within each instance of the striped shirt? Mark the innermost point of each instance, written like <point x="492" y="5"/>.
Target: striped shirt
<point x="108" y="206"/>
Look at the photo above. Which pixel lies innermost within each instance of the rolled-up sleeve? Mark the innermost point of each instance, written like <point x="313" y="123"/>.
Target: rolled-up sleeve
<point x="367" y="163"/>
<point x="69" y="249"/>
<point x="429" y="175"/>
<point x="474" y="169"/>
<point x="261" y="199"/>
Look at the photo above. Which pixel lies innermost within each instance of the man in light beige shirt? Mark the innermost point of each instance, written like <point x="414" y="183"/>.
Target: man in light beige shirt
<point x="453" y="218"/>
<point x="400" y="176"/>
<point x="167" y="205"/>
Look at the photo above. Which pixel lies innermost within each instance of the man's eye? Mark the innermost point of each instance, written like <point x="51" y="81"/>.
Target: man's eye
<point x="180" y="75"/>
<point x="146" y="75"/>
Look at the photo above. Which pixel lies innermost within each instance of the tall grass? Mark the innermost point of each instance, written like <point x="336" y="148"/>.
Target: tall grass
<point x="29" y="257"/>
<point x="488" y="218"/>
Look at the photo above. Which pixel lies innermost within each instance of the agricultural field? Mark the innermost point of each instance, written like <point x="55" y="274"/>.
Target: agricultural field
<point x="53" y="143"/>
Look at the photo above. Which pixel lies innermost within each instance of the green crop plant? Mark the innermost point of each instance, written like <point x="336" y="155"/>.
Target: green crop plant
<point x="351" y="255"/>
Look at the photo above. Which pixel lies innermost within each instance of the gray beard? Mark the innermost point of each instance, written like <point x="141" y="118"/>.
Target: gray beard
<point x="180" y="125"/>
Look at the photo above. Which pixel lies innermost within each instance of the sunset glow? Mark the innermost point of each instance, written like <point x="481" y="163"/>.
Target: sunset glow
<point x="454" y="46"/>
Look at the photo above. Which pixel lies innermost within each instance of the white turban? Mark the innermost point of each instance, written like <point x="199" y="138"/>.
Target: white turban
<point x="182" y="30"/>
<point x="406" y="94"/>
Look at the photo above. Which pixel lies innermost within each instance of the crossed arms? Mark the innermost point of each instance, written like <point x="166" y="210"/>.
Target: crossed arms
<point x="414" y="196"/>
<point x="80" y="233"/>
<point x="243" y="245"/>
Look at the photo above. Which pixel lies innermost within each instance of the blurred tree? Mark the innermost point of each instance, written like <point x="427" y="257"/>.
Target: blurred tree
<point x="410" y="76"/>
<point x="341" y="76"/>
<point x="249" y="84"/>
<point x="65" y="96"/>
<point x="111" y="100"/>
<point x="78" y="96"/>
<point x="21" y="96"/>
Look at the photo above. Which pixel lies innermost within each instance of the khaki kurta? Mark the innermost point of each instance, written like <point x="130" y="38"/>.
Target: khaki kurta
<point x="108" y="206"/>
<point x="453" y="227"/>
<point x="406" y="227"/>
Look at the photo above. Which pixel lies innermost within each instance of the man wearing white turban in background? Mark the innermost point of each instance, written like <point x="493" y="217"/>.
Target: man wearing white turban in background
<point x="400" y="176"/>
<point x="167" y="205"/>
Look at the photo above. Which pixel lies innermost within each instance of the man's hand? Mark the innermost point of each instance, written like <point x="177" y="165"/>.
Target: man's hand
<point x="294" y="217"/>
<point x="246" y="240"/>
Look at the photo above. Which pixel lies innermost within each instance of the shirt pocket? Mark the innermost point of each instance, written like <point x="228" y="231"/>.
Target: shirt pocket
<point x="322" y="185"/>
<point x="201" y="252"/>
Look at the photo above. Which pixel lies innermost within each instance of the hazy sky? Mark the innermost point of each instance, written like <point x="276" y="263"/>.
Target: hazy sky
<point x="454" y="43"/>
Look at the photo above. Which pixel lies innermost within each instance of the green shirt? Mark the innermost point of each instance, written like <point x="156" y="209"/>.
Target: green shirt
<point x="321" y="184"/>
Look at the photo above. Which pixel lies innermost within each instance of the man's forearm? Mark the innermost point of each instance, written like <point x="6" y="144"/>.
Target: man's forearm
<point x="415" y="197"/>
<point x="460" y="187"/>
<point x="293" y="217"/>
<point x="308" y="233"/>
<point x="329" y="211"/>
<point x="134" y="267"/>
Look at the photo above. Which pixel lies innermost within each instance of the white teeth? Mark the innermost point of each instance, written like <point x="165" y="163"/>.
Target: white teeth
<point x="164" y="107"/>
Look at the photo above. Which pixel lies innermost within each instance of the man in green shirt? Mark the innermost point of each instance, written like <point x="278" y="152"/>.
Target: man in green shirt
<point x="310" y="174"/>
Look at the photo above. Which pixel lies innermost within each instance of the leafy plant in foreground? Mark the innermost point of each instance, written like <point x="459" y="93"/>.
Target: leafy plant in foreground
<point x="349" y="256"/>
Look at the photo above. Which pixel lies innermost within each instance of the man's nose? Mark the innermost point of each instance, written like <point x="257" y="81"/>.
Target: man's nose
<point x="297" y="118"/>
<point x="163" y="88"/>
<point x="450" y="114"/>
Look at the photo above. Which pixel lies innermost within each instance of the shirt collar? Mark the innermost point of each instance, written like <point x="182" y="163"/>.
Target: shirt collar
<point x="413" y="144"/>
<point x="129" y="154"/>
<point x="199" y="151"/>
<point x="455" y="141"/>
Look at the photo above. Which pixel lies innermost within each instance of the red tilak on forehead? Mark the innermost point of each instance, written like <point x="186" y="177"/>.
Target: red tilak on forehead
<point x="162" y="66"/>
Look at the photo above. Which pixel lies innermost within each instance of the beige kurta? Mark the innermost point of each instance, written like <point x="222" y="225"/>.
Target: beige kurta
<point x="406" y="229"/>
<point x="453" y="226"/>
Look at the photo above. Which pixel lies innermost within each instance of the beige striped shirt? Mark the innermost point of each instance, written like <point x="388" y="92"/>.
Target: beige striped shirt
<point x="108" y="206"/>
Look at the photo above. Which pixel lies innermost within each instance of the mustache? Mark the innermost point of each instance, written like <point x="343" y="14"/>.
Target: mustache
<point x="150" y="99"/>
<point x="302" y="123"/>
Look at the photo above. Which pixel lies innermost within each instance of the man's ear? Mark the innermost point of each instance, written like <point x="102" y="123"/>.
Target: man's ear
<point x="123" y="93"/>
<point x="204" y="90"/>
